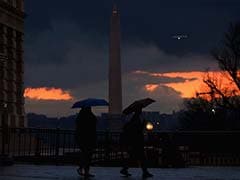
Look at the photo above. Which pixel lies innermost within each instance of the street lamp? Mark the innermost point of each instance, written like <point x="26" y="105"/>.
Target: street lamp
<point x="149" y="126"/>
<point x="213" y="111"/>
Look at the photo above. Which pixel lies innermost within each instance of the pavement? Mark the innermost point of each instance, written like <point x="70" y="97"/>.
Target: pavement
<point x="43" y="172"/>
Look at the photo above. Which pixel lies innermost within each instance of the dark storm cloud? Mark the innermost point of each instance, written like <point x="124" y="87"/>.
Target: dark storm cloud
<point x="65" y="56"/>
<point x="146" y="78"/>
<point x="66" y="45"/>
<point x="142" y="56"/>
<point x="152" y="21"/>
<point x="167" y="99"/>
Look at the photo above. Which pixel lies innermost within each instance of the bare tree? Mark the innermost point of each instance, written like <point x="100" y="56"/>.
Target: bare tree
<point x="228" y="58"/>
<point x="218" y="106"/>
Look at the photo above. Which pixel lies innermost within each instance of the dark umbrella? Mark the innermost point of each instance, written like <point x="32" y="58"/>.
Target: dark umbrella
<point x="90" y="102"/>
<point x="139" y="104"/>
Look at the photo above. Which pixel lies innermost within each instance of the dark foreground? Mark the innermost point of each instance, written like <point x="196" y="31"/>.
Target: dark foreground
<point x="36" y="172"/>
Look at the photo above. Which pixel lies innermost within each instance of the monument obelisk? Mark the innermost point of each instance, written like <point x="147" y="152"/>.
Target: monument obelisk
<point x="115" y="80"/>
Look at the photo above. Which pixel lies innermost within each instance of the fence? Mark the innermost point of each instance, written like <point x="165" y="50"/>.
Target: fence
<point x="162" y="148"/>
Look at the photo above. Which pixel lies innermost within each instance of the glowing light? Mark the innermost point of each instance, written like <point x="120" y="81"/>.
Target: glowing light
<point x="44" y="93"/>
<point x="140" y="72"/>
<point x="213" y="111"/>
<point x="149" y="126"/>
<point x="186" y="88"/>
<point x="192" y="81"/>
<point x="151" y="87"/>
<point x="179" y="37"/>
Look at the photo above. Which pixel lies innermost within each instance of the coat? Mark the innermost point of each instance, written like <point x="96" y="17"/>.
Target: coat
<point x="133" y="132"/>
<point x="86" y="129"/>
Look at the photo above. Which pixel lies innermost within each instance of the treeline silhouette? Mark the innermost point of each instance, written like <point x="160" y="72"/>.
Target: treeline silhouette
<point x="68" y="122"/>
<point x="42" y="121"/>
<point x="200" y="114"/>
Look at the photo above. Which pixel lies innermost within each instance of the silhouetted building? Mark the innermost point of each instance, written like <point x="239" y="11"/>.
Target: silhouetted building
<point x="11" y="63"/>
<point x="110" y="122"/>
<point x="162" y="122"/>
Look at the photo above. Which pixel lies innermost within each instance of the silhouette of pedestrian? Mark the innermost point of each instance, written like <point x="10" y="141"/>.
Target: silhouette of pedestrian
<point x="133" y="140"/>
<point x="86" y="139"/>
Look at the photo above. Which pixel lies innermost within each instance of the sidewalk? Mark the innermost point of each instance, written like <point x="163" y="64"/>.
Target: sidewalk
<point x="36" y="172"/>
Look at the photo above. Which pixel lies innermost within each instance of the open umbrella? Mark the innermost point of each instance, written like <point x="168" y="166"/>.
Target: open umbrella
<point x="90" y="102"/>
<point x="139" y="104"/>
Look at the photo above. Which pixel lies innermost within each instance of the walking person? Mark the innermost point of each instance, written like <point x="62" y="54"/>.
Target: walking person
<point x="86" y="139"/>
<point x="133" y="140"/>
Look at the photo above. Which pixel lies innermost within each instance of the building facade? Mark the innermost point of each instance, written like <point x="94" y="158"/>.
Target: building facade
<point x="11" y="63"/>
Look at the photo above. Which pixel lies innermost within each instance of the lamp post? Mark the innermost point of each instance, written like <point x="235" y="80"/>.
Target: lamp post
<point x="149" y="126"/>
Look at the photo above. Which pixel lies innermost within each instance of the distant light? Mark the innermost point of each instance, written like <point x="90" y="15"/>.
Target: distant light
<point x="158" y="123"/>
<point x="149" y="126"/>
<point x="5" y="105"/>
<point x="114" y="12"/>
<point x="213" y="111"/>
<point x="179" y="37"/>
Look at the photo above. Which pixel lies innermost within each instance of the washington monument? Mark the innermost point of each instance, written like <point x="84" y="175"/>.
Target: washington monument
<point x="115" y="80"/>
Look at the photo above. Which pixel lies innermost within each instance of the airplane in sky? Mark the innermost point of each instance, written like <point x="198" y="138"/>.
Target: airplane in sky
<point x="180" y="36"/>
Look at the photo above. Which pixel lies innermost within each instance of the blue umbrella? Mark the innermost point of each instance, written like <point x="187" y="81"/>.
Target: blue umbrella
<point x="90" y="102"/>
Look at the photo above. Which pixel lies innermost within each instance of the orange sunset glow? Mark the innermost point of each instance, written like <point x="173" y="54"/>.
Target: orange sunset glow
<point x="193" y="81"/>
<point x="151" y="87"/>
<point x="188" y="88"/>
<point x="44" y="93"/>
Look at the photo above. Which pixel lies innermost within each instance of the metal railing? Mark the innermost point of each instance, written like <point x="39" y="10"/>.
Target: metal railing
<point x="59" y="146"/>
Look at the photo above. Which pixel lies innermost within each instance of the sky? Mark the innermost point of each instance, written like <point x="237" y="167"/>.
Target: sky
<point x="66" y="50"/>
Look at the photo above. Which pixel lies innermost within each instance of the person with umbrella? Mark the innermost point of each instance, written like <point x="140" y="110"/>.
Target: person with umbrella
<point x="133" y="136"/>
<point x="86" y="132"/>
